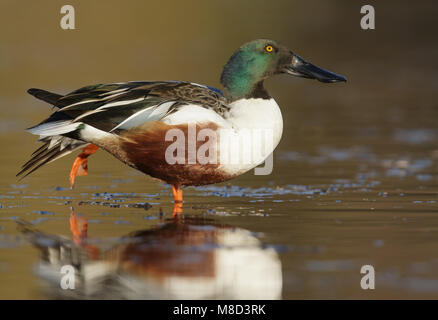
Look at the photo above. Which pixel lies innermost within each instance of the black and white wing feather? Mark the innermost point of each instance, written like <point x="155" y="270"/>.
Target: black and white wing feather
<point x="111" y="108"/>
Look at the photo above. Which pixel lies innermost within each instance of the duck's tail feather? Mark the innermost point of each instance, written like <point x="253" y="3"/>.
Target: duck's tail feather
<point x="44" y="95"/>
<point x="54" y="147"/>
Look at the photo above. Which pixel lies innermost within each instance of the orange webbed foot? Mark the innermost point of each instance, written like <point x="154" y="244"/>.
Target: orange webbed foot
<point x="80" y="165"/>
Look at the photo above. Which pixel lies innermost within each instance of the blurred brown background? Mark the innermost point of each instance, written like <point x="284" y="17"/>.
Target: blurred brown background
<point x="391" y="90"/>
<point x="154" y="40"/>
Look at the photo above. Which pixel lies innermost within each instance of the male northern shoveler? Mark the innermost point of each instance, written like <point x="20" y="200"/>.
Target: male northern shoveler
<point x="131" y="120"/>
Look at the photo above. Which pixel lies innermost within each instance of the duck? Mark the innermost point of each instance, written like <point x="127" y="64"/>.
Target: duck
<point x="182" y="133"/>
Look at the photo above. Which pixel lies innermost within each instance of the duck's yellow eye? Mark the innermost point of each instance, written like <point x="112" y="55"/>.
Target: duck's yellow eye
<point x="269" y="48"/>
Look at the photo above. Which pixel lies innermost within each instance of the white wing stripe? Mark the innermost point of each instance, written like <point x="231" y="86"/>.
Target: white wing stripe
<point x="152" y="113"/>
<point x="113" y="95"/>
<point x="114" y="91"/>
<point x="54" y="128"/>
<point x="127" y="122"/>
<point x="78" y="103"/>
<point x="120" y="103"/>
<point x="54" y="141"/>
<point x="87" y="114"/>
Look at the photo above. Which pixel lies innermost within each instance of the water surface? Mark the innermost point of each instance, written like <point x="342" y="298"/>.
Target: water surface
<point x="355" y="178"/>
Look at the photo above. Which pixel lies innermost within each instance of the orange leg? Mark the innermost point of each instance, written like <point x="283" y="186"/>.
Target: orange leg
<point x="80" y="165"/>
<point x="79" y="229"/>
<point x="178" y="200"/>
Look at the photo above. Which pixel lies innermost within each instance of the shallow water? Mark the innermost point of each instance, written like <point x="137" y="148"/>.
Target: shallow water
<point x="355" y="177"/>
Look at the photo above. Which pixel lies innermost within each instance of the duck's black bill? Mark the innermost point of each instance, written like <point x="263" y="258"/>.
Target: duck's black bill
<point x="301" y="68"/>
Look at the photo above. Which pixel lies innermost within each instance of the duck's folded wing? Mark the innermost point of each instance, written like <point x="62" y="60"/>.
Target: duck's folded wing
<point x="110" y="109"/>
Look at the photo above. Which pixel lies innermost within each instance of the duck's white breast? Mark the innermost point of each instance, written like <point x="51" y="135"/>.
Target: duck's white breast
<point x="247" y="134"/>
<point x="257" y="114"/>
<point x="263" y="120"/>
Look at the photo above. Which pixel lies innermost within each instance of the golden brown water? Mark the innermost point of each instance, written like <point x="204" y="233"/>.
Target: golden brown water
<point x="355" y="177"/>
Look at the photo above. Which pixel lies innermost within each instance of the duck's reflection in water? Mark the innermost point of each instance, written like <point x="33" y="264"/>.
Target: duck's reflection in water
<point x="184" y="258"/>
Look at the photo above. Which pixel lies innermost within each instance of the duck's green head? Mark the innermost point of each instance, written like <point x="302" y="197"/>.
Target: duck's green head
<point x="255" y="61"/>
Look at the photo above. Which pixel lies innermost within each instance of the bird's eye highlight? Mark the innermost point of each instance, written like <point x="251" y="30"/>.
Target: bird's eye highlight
<point x="269" y="48"/>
